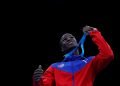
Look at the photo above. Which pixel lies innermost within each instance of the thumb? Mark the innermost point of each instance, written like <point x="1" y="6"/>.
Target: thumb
<point x="39" y="66"/>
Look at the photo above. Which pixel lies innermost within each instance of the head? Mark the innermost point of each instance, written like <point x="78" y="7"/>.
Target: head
<point x="68" y="42"/>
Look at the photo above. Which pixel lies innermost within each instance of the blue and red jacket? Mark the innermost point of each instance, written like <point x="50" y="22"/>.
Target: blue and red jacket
<point x="76" y="71"/>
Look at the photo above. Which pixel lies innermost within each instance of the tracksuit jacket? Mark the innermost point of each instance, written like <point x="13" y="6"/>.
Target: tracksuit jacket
<point x="76" y="71"/>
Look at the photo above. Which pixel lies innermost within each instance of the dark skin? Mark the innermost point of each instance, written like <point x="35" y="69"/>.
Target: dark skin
<point x="67" y="42"/>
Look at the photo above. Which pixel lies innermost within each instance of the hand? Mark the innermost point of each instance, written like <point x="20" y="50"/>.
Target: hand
<point x="38" y="73"/>
<point x="87" y="29"/>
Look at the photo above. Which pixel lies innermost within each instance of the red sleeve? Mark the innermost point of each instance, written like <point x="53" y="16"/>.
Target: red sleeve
<point x="47" y="78"/>
<point x="105" y="55"/>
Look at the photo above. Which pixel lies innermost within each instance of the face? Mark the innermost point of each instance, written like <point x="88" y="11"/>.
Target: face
<point x="68" y="41"/>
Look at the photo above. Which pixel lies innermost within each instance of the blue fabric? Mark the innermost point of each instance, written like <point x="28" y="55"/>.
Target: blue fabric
<point x="72" y="66"/>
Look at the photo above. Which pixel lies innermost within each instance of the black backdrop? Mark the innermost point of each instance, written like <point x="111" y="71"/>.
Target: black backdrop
<point x="60" y="24"/>
<point x="32" y="31"/>
<point x="47" y="26"/>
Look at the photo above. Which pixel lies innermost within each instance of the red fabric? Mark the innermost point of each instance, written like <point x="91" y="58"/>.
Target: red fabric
<point x="86" y="76"/>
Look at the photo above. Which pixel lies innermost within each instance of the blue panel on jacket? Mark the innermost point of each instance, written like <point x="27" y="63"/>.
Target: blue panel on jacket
<point x="72" y="66"/>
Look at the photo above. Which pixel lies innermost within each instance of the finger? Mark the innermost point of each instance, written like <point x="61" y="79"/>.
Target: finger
<point x="37" y="78"/>
<point x="38" y="71"/>
<point x="35" y="73"/>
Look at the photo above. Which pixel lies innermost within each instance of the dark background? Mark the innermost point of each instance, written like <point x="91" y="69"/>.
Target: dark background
<point x="67" y="16"/>
<point x="32" y="31"/>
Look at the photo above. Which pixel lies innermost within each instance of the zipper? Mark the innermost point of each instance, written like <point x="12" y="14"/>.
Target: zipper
<point x="72" y="74"/>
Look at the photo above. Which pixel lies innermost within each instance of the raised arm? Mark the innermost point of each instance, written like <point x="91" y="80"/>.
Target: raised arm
<point x="105" y="55"/>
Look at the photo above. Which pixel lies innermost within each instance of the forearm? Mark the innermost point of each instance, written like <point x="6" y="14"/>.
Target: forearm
<point x="105" y="55"/>
<point x="104" y="48"/>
